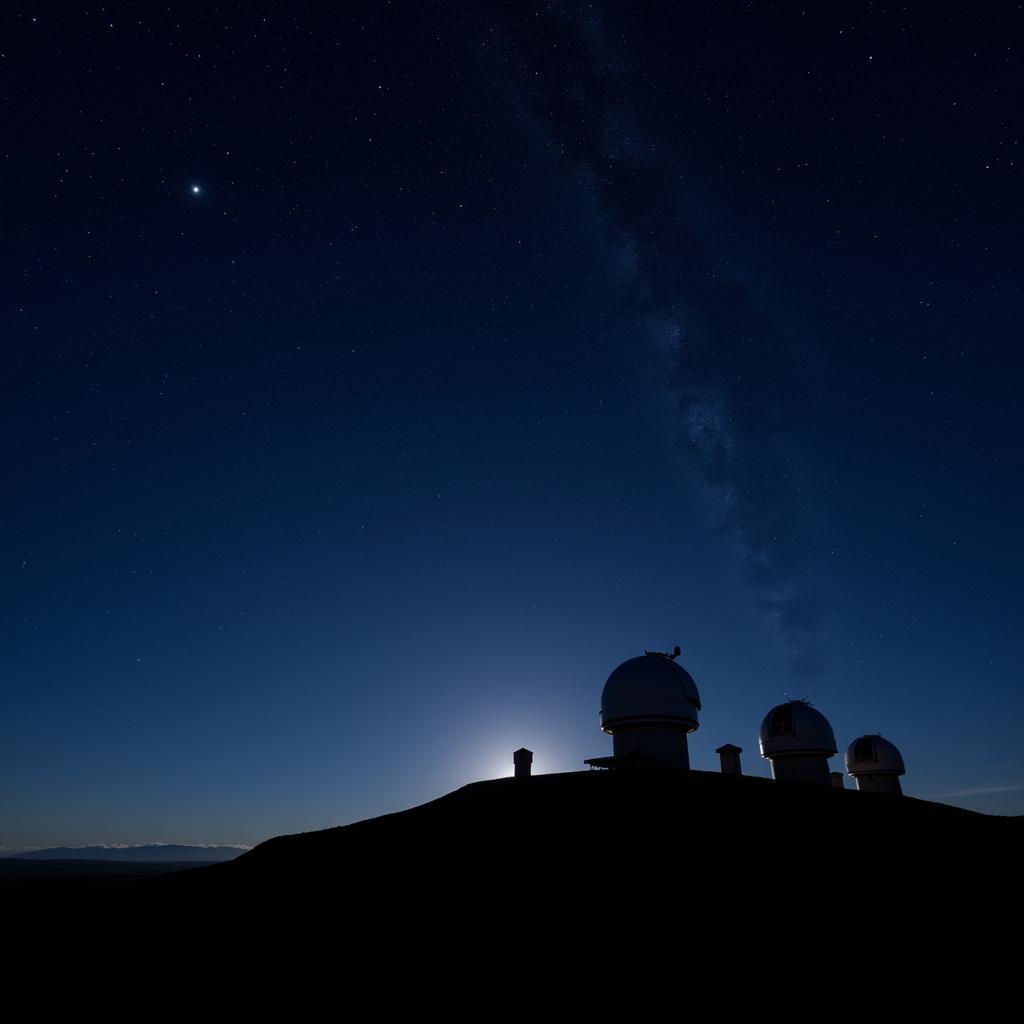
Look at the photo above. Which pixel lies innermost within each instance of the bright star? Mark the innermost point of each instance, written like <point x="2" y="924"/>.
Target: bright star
<point x="196" y="190"/>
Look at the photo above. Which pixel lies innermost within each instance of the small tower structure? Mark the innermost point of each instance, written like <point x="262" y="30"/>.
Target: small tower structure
<point x="875" y="764"/>
<point x="798" y="741"/>
<point x="648" y="706"/>
<point x="522" y="760"/>
<point x="730" y="757"/>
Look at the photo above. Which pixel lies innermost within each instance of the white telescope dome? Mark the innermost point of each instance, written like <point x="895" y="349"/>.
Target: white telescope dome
<point x="649" y="690"/>
<point x="796" y="728"/>
<point x="874" y="755"/>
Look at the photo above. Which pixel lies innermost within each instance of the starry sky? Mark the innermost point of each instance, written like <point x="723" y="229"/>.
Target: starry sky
<point x="377" y="378"/>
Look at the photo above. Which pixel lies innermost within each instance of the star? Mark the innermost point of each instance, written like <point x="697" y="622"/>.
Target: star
<point x="196" y="190"/>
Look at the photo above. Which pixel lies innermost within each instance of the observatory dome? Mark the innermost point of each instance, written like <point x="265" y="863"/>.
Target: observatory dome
<point x="874" y="755"/>
<point x="650" y="690"/>
<point x="796" y="728"/>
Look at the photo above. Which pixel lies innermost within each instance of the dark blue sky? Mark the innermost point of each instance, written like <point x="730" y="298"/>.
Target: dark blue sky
<point x="497" y="345"/>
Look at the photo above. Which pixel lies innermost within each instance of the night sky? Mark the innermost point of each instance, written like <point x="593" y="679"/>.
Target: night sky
<point x="377" y="379"/>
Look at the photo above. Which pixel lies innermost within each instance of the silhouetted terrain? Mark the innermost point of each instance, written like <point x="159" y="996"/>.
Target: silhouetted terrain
<point x="581" y="853"/>
<point x="16" y="868"/>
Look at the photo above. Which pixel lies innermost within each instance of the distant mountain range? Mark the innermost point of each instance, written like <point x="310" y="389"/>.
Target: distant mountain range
<point x="151" y="853"/>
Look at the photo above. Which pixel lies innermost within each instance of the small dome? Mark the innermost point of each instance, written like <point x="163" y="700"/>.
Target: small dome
<point x="650" y="690"/>
<point x="874" y="755"/>
<point x="796" y="728"/>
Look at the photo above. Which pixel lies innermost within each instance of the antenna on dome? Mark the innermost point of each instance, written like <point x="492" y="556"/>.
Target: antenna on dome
<point x="664" y="654"/>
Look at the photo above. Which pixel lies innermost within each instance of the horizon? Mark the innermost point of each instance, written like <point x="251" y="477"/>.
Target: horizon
<point x="379" y="380"/>
<point x="954" y="799"/>
<point x="8" y="852"/>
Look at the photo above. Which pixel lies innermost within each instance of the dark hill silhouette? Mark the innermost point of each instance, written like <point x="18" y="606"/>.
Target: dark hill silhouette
<point x="607" y="841"/>
<point x="695" y="872"/>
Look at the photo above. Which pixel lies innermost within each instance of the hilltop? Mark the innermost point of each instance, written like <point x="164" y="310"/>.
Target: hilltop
<point x="584" y="837"/>
<point x="659" y="863"/>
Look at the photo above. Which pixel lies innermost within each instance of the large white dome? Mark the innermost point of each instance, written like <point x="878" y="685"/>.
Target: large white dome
<point x="649" y="690"/>
<point x="796" y="728"/>
<point x="874" y="755"/>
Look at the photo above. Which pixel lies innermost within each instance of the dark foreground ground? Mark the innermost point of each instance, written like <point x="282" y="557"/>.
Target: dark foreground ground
<point x="68" y="873"/>
<point x="685" y="865"/>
